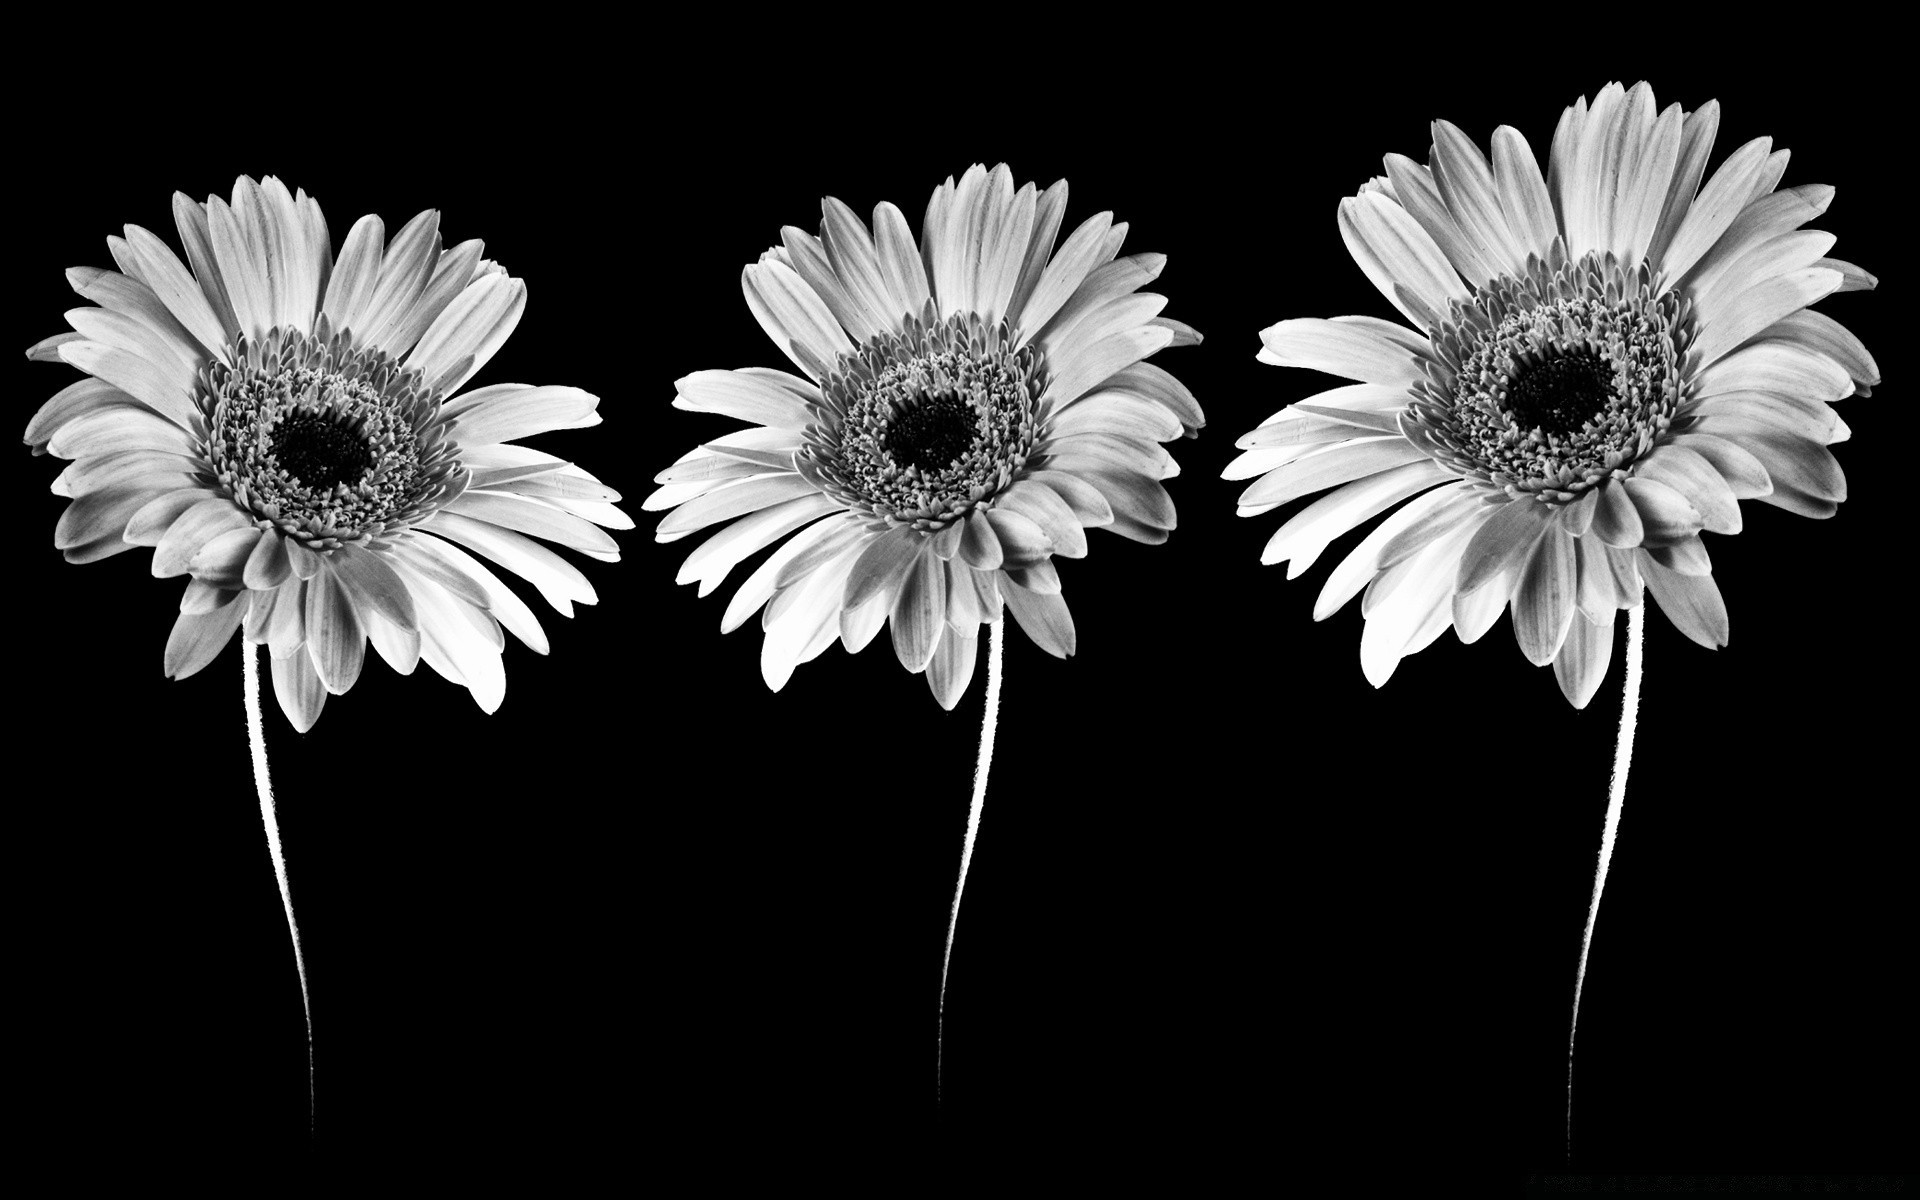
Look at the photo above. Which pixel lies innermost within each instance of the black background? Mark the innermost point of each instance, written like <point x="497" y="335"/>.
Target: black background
<point x="1233" y="911"/>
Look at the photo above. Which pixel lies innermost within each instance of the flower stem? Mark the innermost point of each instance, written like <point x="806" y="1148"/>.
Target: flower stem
<point x="257" y="738"/>
<point x="988" y="720"/>
<point x="1617" y="794"/>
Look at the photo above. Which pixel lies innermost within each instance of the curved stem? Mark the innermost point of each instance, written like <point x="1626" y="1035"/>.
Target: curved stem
<point x="988" y="721"/>
<point x="257" y="738"/>
<point x="1617" y="794"/>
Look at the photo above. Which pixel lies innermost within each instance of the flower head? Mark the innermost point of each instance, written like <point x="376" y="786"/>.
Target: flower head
<point x="287" y="430"/>
<point x="1607" y="360"/>
<point x="970" y="406"/>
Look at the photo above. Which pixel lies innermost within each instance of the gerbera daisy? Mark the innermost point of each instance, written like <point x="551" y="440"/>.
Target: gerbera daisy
<point x="1609" y="358"/>
<point x="1606" y="359"/>
<point x="968" y="407"/>
<point x="288" y="432"/>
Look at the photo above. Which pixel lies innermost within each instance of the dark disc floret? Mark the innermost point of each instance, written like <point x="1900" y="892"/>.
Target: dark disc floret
<point x="1560" y="391"/>
<point x="315" y="447"/>
<point x="932" y="430"/>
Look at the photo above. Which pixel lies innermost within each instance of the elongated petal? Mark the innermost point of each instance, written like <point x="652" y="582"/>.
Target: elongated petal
<point x="1086" y="502"/>
<point x="1744" y="473"/>
<point x="1350" y="347"/>
<point x="1697" y="130"/>
<point x="70" y="403"/>
<point x="883" y="565"/>
<point x="1307" y="534"/>
<point x="190" y="218"/>
<point x="222" y="559"/>
<point x="152" y="385"/>
<point x="150" y="522"/>
<point x="110" y="428"/>
<point x="299" y="690"/>
<point x="1715" y="207"/>
<point x="195" y="528"/>
<point x="1337" y="464"/>
<point x="1759" y="307"/>
<point x="979" y="545"/>
<point x="405" y="266"/>
<point x="536" y="518"/>
<point x="468" y="333"/>
<point x="1416" y="190"/>
<point x="197" y="638"/>
<point x="1665" y="514"/>
<point x="1544" y="600"/>
<point x="1050" y="512"/>
<point x="1100" y="361"/>
<point x="98" y="515"/>
<point x="374" y="585"/>
<point x="1697" y="482"/>
<point x="794" y="316"/>
<point x="1045" y="619"/>
<point x="718" y="555"/>
<point x="1524" y="199"/>
<point x="920" y="612"/>
<point x="336" y="641"/>
<point x="1616" y="519"/>
<point x="1503" y="544"/>
<point x="1691" y="602"/>
<point x="743" y="396"/>
<point x="1448" y="508"/>
<point x="128" y="297"/>
<point x="351" y="288"/>
<point x="1021" y="539"/>
<point x="733" y="500"/>
<point x="1065" y="271"/>
<point x="1778" y="367"/>
<point x="1806" y="478"/>
<point x="556" y="579"/>
<point x="1583" y="658"/>
<point x="267" y="566"/>
<point x="1399" y="257"/>
<point x="1822" y="335"/>
<point x="1467" y="187"/>
<point x="952" y="666"/>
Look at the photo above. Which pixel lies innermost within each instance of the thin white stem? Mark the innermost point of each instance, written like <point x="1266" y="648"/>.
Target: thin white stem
<point x="257" y="737"/>
<point x="988" y="721"/>
<point x="1616" y="797"/>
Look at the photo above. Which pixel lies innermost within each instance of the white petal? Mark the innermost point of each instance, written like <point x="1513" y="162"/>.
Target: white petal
<point x="1359" y="348"/>
<point x="1399" y="257"/>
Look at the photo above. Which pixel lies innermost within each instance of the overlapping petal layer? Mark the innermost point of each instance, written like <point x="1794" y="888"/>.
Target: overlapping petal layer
<point x="1609" y="356"/>
<point x="967" y="406"/>
<point x="286" y="429"/>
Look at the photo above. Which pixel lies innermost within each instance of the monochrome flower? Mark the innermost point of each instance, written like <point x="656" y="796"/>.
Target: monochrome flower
<point x="286" y="429"/>
<point x="970" y="405"/>
<point x="1606" y="360"/>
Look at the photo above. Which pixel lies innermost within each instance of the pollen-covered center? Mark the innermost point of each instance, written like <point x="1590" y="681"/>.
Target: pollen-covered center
<point x="330" y="442"/>
<point x="1550" y="383"/>
<point x="918" y="426"/>
<point x="318" y="449"/>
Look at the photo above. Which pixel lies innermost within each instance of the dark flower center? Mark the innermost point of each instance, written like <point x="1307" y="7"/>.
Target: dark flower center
<point x="932" y="433"/>
<point x="319" y="450"/>
<point x="1560" y="392"/>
